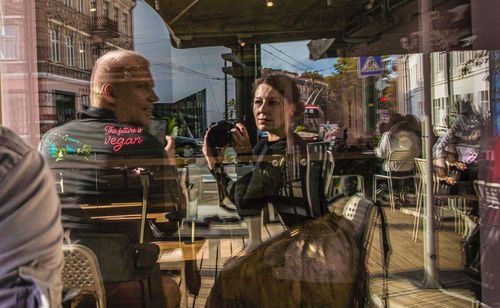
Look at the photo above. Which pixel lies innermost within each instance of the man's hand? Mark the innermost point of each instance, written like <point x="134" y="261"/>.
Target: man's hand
<point x="170" y="149"/>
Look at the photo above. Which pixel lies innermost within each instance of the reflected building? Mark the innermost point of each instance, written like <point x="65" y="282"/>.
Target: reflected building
<point x="71" y="35"/>
<point x="456" y="77"/>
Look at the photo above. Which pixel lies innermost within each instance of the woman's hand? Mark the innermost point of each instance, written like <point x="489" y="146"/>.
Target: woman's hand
<point x="209" y="155"/>
<point x="241" y="140"/>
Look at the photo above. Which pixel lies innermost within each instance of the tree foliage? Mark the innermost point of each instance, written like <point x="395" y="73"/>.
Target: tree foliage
<point x="346" y="65"/>
<point x="313" y="75"/>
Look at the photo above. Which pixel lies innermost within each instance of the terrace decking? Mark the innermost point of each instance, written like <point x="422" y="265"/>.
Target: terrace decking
<point x="407" y="264"/>
<point x="405" y="269"/>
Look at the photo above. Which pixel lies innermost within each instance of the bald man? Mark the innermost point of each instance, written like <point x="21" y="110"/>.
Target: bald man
<point x="83" y="153"/>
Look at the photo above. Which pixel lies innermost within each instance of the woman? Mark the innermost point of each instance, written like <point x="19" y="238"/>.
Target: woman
<point x="276" y="108"/>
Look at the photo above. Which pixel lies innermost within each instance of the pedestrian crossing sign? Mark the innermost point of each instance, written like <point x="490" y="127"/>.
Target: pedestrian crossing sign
<point x="370" y="66"/>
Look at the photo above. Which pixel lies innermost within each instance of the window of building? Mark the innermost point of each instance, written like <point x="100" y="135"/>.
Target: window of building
<point x="85" y="102"/>
<point x="54" y="46"/>
<point x="68" y="2"/>
<point x="83" y="55"/>
<point x="11" y="47"/>
<point x="461" y="57"/>
<point x="69" y="51"/>
<point x="441" y="63"/>
<point x="125" y="24"/>
<point x="115" y="14"/>
<point x="105" y="9"/>
<point x="80" y="5"/>
<point x="95" y="53"/>
<point x="93" y="9"/>
<point x="484" y="96"/>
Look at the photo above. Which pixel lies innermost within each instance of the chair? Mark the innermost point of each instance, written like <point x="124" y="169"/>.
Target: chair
<point x="360" y="183"/>
<point x="59" y="181"/>
<point x="363" y="214"/>
<point x="394" y="156"/>
<point x="328" y="174"/>
<point x="81" y="271"/>
<point x="316" y="171"/>
<point x="420" y="188"/>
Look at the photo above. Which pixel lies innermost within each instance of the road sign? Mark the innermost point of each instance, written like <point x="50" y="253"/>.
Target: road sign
<point x="370" y="66"/>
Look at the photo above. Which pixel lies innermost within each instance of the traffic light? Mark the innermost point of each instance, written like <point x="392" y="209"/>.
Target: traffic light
<point x="244" y="60"/>
<point x="382" y="102"/>
<point x="236" y="70"/>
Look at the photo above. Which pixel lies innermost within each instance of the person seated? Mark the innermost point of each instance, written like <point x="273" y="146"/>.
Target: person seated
<point x="276" y="108"/>
<point x="401" y="136"/>
<point x="31" y="256"/>
<point x="85" y="152"/>
<point x="465" y="130"/>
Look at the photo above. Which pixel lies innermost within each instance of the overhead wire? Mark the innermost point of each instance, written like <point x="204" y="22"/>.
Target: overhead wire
<point x="282" y="52"/>
<point x="184" y="69"/>
<point x="272" y="54"/>
<point x="208" y="80"/>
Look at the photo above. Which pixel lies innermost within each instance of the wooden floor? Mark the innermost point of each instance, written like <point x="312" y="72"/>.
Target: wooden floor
<point x="405" y="269"/>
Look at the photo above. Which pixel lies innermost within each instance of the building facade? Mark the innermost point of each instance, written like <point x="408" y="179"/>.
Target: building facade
<point x="71" y="35"/>
<point x="457" y="78"/>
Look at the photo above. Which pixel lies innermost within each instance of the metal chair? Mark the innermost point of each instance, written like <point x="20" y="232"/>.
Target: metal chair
<point x="316" y="171"/>
<point x="452" y="200"/>
<point x="328" y="174"/>
<point x="363" y="215"/>
<point x="394" y="156"/>
<point x="81" y="271"/>
<point x="360" y="183"/>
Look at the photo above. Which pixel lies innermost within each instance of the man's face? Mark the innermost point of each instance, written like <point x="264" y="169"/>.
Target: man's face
<point x="135" y="98"/>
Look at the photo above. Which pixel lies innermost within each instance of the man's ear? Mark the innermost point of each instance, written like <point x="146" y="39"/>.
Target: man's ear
<point x="108" y="92"/>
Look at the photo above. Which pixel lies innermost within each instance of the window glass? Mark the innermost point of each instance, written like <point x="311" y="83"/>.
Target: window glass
<point x="125" y="24"/>
<point x="69" y="51"/>
<point x="11" y="43"/>
<point x="83" y="55"/>
<point x="105" y="9"/>
<point x="54" y="44"/>
<point x="285" y="118"/>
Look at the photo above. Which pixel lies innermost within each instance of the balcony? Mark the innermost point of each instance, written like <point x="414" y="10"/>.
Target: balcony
<point x="62" y="70"/>
<point x="103" y="27"/>
<point x="56" y="10"/>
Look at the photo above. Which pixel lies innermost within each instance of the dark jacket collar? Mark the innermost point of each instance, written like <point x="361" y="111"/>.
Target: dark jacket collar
<point x="97" y="113"/>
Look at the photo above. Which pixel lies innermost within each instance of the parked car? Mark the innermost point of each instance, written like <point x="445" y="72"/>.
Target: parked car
<point x="187" y="147"/>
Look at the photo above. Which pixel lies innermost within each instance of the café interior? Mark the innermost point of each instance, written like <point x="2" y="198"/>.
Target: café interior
<point x="424" y="72"/>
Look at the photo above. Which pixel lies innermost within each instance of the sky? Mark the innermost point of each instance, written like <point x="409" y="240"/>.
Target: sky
<point x="179" y="73"/>
<point x="294" y="57"/>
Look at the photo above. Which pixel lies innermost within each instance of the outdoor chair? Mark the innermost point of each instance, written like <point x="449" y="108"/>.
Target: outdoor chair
<point x="363" y="215"/>
<point x="394" y="156"/>
<point x="452" y="200"/>
<point x="81" y="272"/>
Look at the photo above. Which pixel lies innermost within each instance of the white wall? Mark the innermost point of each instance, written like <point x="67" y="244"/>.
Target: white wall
<point x="179" y="73"/>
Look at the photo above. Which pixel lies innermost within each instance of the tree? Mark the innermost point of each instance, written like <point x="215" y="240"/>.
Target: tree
<point x="346" y="65"/>
<point x="312" y="75"/>
<point x="231" y="111"/>
<point x="480" y="57"/>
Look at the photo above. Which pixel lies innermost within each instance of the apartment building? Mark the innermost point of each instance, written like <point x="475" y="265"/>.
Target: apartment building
<point x="71" y="35"/>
